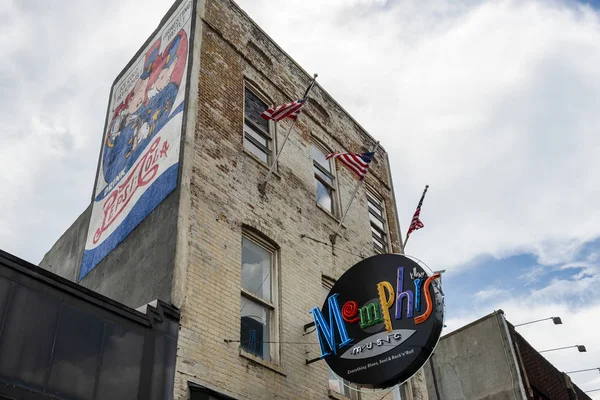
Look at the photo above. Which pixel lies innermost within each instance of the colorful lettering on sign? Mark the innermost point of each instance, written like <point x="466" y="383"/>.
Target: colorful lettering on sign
<point x="422" y="318"/>
<point x="417" y="283"/>
<point x="401" y="295"/>
<point x="374" y="312"/>
<point x="349" y="311"/>
<point x="370" y="315"/>
<point x="386" y="302"/>
<point x="328" y="331"/>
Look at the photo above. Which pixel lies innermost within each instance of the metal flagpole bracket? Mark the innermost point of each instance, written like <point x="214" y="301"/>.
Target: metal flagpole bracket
<point x="307" y="332"/>
<point x="262" y="187"/>
<point x="313" y="360"/>
<point x="332" y="238"/>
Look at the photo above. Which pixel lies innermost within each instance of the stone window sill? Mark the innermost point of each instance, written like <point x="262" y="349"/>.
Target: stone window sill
<point x="261" y="163"/>
<point x="326" y="211"/>
<point x="257" y="360"/>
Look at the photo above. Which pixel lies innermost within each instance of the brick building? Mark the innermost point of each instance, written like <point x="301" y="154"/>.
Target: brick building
<point x="242" y="267"/>
<point x="489" y="359"/>
<point x="541" y="380"/>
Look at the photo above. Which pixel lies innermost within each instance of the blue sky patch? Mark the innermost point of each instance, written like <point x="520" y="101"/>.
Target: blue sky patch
<point x="489" y="281"/>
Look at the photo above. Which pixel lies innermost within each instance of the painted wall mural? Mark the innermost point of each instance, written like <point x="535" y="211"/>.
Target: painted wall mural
<point x="140" y="152"/>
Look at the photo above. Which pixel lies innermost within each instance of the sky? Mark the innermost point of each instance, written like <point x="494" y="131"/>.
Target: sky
<point x="494" y="104"/>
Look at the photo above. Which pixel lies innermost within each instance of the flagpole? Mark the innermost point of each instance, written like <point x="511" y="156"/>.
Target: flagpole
<point x="420" y="203"/>
<point x="262" y="187"/>
<point x="333" y="236"/>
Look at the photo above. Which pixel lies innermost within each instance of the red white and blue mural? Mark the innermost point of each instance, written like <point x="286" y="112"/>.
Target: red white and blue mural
<point x="140" y="152"/>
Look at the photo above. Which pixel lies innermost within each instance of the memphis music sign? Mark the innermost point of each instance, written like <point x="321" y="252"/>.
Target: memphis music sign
<point x="381" y="321"/>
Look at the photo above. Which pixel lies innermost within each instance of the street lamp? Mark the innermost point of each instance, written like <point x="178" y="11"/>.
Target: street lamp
<point x="580" y="348"/>
<point x="583" y="370"/>
<point x="556" y="320"/>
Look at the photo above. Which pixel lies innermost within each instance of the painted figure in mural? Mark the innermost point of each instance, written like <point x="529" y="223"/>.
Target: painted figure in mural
<point x="146" y="109"/>
<point x="161" y="96"/>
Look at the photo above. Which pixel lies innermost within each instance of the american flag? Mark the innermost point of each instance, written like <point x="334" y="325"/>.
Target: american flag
<point x="357" y="162"/>
<point x="291" y="110"/>
<point x="416" y="222"/>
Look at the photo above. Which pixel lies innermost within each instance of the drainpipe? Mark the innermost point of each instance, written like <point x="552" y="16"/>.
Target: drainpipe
<point x="569" y="386"/>
<point x="528" y="389"/>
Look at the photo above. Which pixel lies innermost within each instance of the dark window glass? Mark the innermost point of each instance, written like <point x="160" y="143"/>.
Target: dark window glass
<point x="324" y="196"/>
<point x="260" y="140"/>
<point x="374" y="208"/>
<point x="327" y="178"/>
<point x="27" y="338"/>
<point x="120" y="367"/>
<point x="76" y="355"/>
<point x="377" y="247"/>
<point x="319" y="157"/>
<point x="257" y="151"/>
<point x="257" y="138"/>
<point x="253" y="107"/>
<point x="377" y="234"/>
<point x="256" y="307"/>
<point x="378" y="223"/>
<point x="255" y="328"/>
<point x="256" y="269"/>
<point x="205" y="394"/>
<point x="323" y="179"/>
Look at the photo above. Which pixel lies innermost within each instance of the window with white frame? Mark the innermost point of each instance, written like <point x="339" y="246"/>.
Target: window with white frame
<point x="258" y="307"/>
<point x="324" y="179"/>
<point x="377" y="216"/>
<point x="337" y="384"/>
<point x="257" y="130"/>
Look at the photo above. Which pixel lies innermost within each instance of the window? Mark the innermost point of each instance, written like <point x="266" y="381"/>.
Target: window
<point x="378" y="223"/>
<point x="258" y="332"/>
<point x="324" y="179"/>
<point x="257" y="132"/>
<point x="199" y="392"/>
<point x="337" y="384"/>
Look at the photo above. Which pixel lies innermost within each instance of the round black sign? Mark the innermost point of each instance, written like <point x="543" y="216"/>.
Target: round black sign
<point x="391" y="319"/>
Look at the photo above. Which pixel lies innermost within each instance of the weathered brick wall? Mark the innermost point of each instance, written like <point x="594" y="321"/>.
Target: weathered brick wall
<point x="225" y="199"/>
<point x="542" y="377"/>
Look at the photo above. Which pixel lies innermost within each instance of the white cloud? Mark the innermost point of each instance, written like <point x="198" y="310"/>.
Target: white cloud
<point x="533" y="274"/>
<point x="489" y="293"/>
<point x="571" y="294"/>
<point x="494" y="104"/>
<point x="58" y="63"/>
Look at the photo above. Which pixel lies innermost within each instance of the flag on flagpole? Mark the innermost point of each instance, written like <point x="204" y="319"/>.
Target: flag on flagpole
<point x="291" y="110"/>
<point x="357" y="162"/>
<point x="416" y="221"/>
